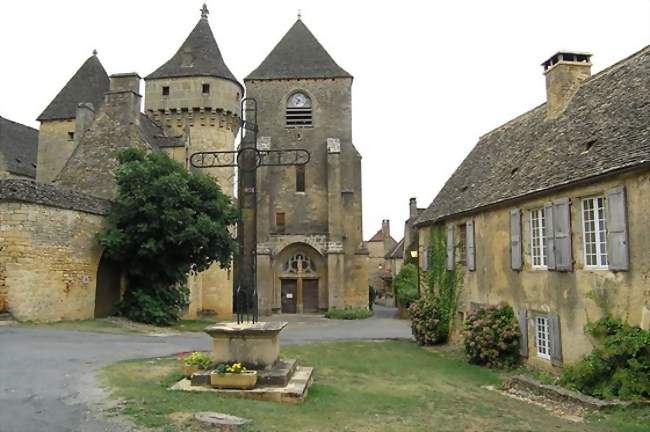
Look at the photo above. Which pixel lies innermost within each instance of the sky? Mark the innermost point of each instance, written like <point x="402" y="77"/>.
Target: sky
<point x="430" y="77"/>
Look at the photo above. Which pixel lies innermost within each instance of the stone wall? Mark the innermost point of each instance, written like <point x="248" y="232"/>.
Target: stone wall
<point x="55" y="145"/>
<point x="572" y="294"/>
<point x="49" y="255"/>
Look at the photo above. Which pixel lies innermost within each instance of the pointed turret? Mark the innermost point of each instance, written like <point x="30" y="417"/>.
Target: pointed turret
<point x="88" y="84"/>
<point x="198" y="56"/>
<point x="298" y="55"/>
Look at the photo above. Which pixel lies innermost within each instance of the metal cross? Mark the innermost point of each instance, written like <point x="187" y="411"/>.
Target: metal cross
<point x="247" y="159"/>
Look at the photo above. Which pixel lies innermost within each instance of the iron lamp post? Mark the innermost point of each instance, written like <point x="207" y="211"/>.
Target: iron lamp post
<point x="415" y="255"/>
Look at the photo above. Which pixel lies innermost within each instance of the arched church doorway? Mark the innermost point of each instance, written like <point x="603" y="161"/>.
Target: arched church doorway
<point x="108" y="292"/>
<point x="299" y="284"/>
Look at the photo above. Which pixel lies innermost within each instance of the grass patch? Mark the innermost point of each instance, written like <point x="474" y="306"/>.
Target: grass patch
<point x="359" y="387"/>
<point x="348" y="314"/>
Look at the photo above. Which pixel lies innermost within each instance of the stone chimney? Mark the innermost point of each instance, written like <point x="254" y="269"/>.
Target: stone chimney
<point x="83" y="120"/>
<point x="564" y="71"/>
<point x="413" y="208"/>
<point x="123" y="100"/>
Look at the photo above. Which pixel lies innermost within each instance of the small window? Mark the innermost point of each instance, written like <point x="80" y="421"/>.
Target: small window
<point x="538" y="251"/>
<point x="300" y="178"/>
<point x="205" y="89"/>
<point x="165" y="90"/>
<point x="71" y="135"/>
<point x="462" y="244"/>
<point x="299" y="112"/>
<point x="594" y="232"/>
<point x="543" y="337"/>
<point x="280" y="221"/>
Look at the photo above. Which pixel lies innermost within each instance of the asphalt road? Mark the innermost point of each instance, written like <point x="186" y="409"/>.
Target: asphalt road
<point x="47" y="377"/>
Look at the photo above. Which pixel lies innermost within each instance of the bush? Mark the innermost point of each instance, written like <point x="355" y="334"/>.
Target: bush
<point x="492" y="337"/>
<point x="348" y="314"/>
<point x="406" y="285"/>
<point x="429" y="323"/>
<point x="199" y="359"/>
<point x="619" y="365"/>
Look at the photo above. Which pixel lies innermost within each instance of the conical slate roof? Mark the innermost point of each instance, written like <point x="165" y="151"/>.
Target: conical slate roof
<point x="298" y="55"/>
<point x="88" y="84"/>
<point x="198" y="56"/>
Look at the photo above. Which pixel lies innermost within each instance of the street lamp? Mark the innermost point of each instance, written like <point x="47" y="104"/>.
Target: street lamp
<point x="414" y="254"/>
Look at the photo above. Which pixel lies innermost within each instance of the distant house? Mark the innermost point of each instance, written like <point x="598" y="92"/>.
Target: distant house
<point x="18" y="149"/>
<point x="379" y="245"/>
<point x="550" y="212"/>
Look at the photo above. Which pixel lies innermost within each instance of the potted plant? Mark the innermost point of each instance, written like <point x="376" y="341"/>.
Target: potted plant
<point x="234" y="376"/>
<point x="193" y="362"/>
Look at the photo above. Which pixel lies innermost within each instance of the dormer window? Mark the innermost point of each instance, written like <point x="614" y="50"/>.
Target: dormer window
<point x="165" y="91"/>
<point x="205" y="88"/>
<point x="299" y="112"/>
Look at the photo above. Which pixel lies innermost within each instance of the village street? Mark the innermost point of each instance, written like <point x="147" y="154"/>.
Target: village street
<point x="48" y="382"/>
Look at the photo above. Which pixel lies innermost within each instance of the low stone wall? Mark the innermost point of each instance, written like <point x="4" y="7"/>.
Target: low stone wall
<point x="49" y="254"/>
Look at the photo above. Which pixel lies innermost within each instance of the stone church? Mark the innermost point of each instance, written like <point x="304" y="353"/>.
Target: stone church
<point x="310" y="253"/>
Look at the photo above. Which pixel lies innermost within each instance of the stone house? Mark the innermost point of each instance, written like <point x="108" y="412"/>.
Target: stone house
<point x="380" y="246"/>
<point x="310" y="252"/>
<point x="549" y="212"/>
<point x="18" y="147"/>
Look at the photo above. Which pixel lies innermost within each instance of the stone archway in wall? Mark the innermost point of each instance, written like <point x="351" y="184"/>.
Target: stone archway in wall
<point x="108" y="289"/>
<point x="300" y="279"/>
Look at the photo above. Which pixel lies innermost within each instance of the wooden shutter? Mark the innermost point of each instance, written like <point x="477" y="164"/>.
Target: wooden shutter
<point x="556" y="341"/>
<point x="522" y="317"/>
<point x="617" y="249"/>
<point x="451" y="259"/>
<point x="471" y="254"/>
<point x="562" y="234"/>
<point x="515" y="239"/>
<point x="549" y="236"/>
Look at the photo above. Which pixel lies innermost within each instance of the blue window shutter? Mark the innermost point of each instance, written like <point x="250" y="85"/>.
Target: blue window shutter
<point x="617" y="238"/>
<point x="549" y="236"/>
<point x="522" y="317"/>
<point x="562" y="234"/>
<point x="471" y="250"/>
<point x="451" y="258"/>
<point x="515" y="239"/>
<point x="556" y="340"/>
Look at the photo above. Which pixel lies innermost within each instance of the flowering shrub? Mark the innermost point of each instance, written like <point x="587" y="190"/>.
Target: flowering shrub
<point x="619" y="366"/>
<point x="235" y="368"/>
<point x="492" y="337"/>
<point x="429" y="324"/>
<point x="197" y="359"/>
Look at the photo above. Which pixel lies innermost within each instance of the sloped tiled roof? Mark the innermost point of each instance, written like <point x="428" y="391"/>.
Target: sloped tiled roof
<point x="604" y="129"/>
<point x="397" y="252"/>
<point x="298" y="55"/>
<point x="157" y="136"/>
<point x="88" y="84"/>
<point x="198" y="56"/>
<point x="19" y="147"/>
<point x="379" y="236"/>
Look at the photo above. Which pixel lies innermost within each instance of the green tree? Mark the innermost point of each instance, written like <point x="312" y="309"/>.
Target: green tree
<point x="165" y="222"/>
<point x="406" y="285"/>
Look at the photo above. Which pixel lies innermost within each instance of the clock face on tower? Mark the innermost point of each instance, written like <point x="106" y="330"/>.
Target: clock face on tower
<point x="298" y="100"/>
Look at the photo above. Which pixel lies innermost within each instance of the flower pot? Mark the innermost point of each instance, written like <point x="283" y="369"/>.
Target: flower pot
<point x="241" y="381"/>
<point x="189" y="370"/>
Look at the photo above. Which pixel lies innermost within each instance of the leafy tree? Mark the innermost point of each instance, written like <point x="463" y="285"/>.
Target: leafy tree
<point x="165" y="222"/>
<point x="406" y="285"/>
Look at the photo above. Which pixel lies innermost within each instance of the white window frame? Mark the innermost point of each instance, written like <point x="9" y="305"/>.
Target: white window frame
<point x="600" y="227"/>
<point x="538" y="233"/>
<point x="542" y="337"/>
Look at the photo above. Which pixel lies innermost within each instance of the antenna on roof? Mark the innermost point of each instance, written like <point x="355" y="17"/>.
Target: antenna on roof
<point x="204" y="11"/>
<point x="299" y="14"/>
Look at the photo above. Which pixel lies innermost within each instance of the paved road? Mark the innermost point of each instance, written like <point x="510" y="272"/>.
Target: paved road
<point x="47" y="377"/>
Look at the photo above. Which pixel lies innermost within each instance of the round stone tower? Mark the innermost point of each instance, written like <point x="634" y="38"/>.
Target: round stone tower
<point x="195" y="95"/>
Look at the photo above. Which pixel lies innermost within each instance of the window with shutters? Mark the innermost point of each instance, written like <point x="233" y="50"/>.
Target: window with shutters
<point x="538" y="250"/>
<point x="594" y="232"/>
<point x="543" y="337"/>
<point x="462" y="244"/>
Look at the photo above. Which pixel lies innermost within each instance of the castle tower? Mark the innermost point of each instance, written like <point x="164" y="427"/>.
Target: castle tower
<point x="310" y="248"/>
<point x="56" y="137"/>
<point x="195" y="93"/>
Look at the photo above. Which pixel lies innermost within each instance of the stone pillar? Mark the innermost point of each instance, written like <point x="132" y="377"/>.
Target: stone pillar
<point x="265" y="298"/>
<point x="335" y="275"/>
<point x="335" y="253"/>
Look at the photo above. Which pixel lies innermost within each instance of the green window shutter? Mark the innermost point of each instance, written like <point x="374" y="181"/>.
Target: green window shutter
<point x="562" y="234"/>
<point x="522" y="317"/>
<point x="549" y="236"/>
<point x="556" y="341"/>
<point x="451" y="259"/>
<point x="515" y="239"/>
<point x="617" y="239"/>
<point x="471" y="250"/>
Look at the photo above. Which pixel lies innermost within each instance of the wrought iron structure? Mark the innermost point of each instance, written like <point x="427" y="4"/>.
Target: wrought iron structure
<point x="247" y="159"/>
